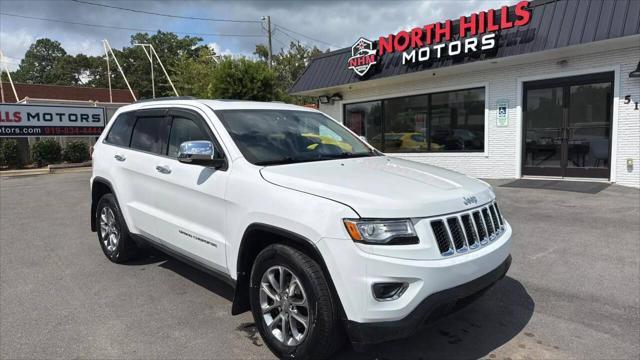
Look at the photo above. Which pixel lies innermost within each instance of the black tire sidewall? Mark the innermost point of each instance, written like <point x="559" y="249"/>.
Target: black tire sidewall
<point x="117" y="255"/>
<point x="277" y="255"/>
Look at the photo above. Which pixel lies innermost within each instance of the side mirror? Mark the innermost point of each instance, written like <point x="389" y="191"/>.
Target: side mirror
<point x="199" y="152"/>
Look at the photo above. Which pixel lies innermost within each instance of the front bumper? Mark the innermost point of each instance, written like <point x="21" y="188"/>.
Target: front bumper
<point x="354" y="269"/>
<point x="431" y="308"/>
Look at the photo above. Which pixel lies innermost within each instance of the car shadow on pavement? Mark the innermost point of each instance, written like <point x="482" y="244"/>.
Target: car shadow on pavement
<point x="199" y="277"/>
<point x="472" y="333"/>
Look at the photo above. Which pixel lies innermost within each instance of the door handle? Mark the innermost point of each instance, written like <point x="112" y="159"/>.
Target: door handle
<point x="163" y="169"/>
<point x="119" y="157"/>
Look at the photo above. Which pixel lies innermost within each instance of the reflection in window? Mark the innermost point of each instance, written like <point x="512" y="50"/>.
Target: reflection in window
<point x="365" y="119"/>
<point x="447" y="121"/>
<point x="406" y="124"/>
<point x="457" y="121"/>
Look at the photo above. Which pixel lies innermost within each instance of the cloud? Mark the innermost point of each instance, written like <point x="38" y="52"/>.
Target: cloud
<point x="326" y="24"/>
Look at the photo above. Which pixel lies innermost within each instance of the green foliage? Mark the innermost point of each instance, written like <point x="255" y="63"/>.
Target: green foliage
<point x="243" y="79"/>
<point x="75" y="151"/>
<point x="40" y="63"/>
<point x="46" y="151"/>
<point x="193" y="76"/>
<point x="10" y="154"/>
<point x="288" y="66"/>
<point x="192" y="67"/>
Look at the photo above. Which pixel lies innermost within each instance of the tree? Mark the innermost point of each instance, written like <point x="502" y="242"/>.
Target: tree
<point x="288" y="66"/>
<point x="243" y="79"/>
<point x="40" y="63"/>
<point x="194" y="76"/>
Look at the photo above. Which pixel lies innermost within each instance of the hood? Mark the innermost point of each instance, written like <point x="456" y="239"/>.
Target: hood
<point x="383" y="186"/>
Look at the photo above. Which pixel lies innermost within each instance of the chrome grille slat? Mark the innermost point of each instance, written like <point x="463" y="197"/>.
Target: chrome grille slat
<point x="494" y="217"/>
<point x="471" y="233"/>
<point x="455" y="230"/>
<point x="488" y="222"/>
<point x="467" y="230"/>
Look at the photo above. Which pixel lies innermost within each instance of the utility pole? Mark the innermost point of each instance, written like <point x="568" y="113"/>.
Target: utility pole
<point x="268" y="18"/>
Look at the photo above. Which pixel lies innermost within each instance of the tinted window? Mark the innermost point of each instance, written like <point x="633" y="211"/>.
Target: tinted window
<point x="446" y="121"/>
<point x="365" y="119"/>
<point x="457" y="121"/>
<point x="120" y="132"/>
<point x="150" y="134"/>
<point x="182" y="130"/>
<point x="406" y="124"/>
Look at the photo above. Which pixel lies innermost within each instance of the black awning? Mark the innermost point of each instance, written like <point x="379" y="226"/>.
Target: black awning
<point x="554" y="24"/>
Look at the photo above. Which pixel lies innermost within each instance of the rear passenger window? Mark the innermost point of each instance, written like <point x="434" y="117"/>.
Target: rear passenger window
<point x="182" y="130"/>
<point x="120" y="132"/>
<point x="151" y="134"/>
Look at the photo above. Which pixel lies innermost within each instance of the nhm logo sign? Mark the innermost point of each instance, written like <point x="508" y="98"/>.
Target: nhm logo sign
<point x="363" y="56"/>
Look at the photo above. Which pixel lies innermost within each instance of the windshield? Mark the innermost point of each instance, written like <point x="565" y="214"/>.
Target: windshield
<point x="272" y="137"/>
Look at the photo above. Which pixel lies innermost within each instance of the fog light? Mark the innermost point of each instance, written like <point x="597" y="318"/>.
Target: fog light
<point x="388" y="291"/>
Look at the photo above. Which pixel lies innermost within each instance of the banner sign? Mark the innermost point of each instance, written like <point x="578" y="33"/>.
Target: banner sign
<point x="20" y="120"/>
<point x="474" y="33"/>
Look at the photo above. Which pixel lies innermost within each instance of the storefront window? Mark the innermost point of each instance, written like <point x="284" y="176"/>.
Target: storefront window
<point x="457" y="120"/>
<point x="365" y="119"/>
<point x="441" y="122"/>
<point x="406" y="124"/>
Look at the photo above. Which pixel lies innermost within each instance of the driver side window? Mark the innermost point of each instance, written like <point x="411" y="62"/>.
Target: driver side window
<point x="184" y="129"/>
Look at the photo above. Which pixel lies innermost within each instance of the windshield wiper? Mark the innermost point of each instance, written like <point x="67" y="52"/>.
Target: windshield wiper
<point x="286" y="160"/>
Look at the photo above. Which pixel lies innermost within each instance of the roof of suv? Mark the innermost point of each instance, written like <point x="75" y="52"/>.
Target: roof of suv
<point x="221" y="104"/>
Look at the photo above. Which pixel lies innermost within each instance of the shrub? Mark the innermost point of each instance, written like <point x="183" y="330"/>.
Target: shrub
<point x="75" y="151"/>
<point x="46" y="151"/>
<point x="10" y="154"/>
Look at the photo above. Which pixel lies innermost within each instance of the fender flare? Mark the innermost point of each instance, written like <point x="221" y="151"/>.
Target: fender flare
<point x="246" y="255"/>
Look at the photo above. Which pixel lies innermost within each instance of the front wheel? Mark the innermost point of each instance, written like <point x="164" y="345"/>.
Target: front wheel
<point x="293" y="306"/>
<point x="113" y="235"/>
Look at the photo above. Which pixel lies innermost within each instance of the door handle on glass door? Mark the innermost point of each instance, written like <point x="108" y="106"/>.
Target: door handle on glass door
<point x="163" y="169"/>
<point x="119" y="157"/>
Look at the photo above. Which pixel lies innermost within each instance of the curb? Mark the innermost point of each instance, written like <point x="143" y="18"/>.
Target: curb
<point x="51" y="169"/>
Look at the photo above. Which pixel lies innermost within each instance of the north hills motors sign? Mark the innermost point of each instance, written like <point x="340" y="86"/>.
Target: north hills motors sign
<point x="19" y="120"/>
<point x="475" y="33"/>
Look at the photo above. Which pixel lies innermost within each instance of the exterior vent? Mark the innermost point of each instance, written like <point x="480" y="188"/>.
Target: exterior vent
<point x="442" y="238"/>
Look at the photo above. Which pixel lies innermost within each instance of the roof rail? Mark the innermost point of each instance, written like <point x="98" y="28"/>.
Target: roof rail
<point x="167" y="98"/>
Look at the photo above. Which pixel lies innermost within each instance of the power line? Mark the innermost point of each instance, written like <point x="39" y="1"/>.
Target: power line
<point x="126" y="28"/>
<point x="305" y="36"/>
<point x="165" y="15"/>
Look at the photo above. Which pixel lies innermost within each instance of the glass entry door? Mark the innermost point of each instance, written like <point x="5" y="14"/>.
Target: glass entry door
<point x="567" y="126"/>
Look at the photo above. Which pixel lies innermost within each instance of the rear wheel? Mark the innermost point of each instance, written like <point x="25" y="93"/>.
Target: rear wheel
<point x="293" y="306"/>
<point x="114" y="238"/>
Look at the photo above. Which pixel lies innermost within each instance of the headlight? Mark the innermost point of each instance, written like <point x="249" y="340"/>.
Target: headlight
<point x="382" y="232"/>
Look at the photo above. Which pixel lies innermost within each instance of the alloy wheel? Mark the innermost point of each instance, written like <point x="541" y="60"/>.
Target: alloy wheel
<point x="284" y="305"/>
<point x="109" y="229"/>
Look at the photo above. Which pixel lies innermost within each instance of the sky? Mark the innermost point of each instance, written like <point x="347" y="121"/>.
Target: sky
<point x="326" y="24"/>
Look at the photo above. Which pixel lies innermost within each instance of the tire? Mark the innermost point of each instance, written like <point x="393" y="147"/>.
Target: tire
<point x="323" y="334"/>
<point x="113" y="234"/>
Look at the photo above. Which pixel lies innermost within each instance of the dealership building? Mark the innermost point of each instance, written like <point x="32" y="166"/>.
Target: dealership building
<point x="546" y="88"/>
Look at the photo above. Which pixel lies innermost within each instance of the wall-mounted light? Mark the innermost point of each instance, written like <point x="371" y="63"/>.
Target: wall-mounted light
<point x="325" y="99"/>
<point x="635" y="73"/>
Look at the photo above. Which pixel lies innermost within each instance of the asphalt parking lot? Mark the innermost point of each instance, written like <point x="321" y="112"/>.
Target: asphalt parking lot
<point x="572" y="291"/>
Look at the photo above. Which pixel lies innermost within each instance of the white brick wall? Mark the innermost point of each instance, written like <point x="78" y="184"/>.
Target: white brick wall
<point x="502" y="158"/>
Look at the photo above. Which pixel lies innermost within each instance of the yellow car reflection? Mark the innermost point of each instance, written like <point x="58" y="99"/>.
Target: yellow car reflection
<point x="409" y="141"/>
<point x="320" y="139"/>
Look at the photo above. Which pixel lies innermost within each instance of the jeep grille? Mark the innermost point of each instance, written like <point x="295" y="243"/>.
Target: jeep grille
<point x="468" y="230"/>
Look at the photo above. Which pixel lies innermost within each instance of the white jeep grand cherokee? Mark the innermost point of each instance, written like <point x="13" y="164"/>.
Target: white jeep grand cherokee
<point x="323" y="237"/>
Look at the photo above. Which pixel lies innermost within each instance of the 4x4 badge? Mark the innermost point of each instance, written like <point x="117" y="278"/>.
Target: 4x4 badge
<point x="468" y="200"/>
<point x="363" y="56"/>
